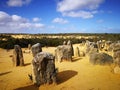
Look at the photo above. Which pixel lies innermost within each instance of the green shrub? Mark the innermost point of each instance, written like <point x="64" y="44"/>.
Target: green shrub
<point x="8" y="42"/>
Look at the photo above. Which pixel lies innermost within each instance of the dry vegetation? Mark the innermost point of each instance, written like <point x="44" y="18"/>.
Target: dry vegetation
<point x="7" y="41"/>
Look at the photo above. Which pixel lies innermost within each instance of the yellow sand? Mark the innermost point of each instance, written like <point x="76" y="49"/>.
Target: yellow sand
<point x="76" y="75"/>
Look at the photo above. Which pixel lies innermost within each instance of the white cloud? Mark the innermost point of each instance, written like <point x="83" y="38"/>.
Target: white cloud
<point x="82" y="14"/>
<point x="78" y="8"/>
<point x="15" y="22"/>
<point x="60" y="20"/>
<point x="36" y="19"/>
<point x="4" y="17"/>
<point x="18" y="3"/>
<point x="17" y="18"/>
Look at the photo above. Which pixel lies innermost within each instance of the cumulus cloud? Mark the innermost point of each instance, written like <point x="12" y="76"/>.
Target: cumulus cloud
<point x="78" y="8"/>
<point x="60" y="20"/>
<point x="18" y="3"/>
<point x="16" y="18"/>
<point x="4" y="17"/>
<point x="15" y="22"/>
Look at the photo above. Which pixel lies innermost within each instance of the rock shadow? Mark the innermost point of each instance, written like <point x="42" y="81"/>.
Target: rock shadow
<point x="65" y="75"/>
<point x="4" y="73"/>
<point x="31" y="87"/>
<point x="76" y="59"/>
<point x="26" y="64"/>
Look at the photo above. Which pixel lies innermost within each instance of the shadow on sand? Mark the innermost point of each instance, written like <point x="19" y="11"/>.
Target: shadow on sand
<point x="26" y="64"/>
<point x="4" y="73"/>
<point x="65" y="75"/>
<point x="62" y="77"/>
<point x="31" y="87"/>
<point x="76" y="59"/>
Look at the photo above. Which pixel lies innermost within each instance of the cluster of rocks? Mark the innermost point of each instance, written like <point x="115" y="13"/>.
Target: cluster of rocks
<point x="43" y="63"/>
<point x="43" y="66"/>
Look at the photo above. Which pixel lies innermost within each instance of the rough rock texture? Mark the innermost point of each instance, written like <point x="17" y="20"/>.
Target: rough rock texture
<point x="18" y="56"/>
<point x="91" y="48"/>
<point x="100" y="58"/>
<point x="70" y="43"/>
<point x="43" y="69"/>
<point x="63" y="52"/>
<point x="36" y="48"/>
<point x="116" y="57"/>
<point x="77" y="52"/>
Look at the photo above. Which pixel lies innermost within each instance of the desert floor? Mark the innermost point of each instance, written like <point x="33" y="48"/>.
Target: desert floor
<point x="76" y="75"/>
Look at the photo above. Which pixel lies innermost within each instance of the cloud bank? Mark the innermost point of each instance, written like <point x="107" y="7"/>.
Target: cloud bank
<point x="14" y="22"/>
<point x="78" y="8"/>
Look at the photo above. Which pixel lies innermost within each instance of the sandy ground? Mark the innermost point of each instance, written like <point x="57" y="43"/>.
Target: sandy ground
<point x="76" y="75"/>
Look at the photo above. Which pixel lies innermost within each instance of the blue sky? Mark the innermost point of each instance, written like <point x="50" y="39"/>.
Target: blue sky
<point x="59" y="16"/>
